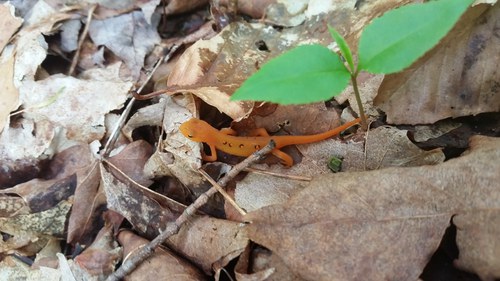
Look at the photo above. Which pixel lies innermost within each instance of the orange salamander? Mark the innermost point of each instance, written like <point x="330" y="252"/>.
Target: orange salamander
<point x="227" y="141"/>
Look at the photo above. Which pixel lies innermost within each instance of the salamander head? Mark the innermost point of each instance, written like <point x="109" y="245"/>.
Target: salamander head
<point x="196" y="130"/>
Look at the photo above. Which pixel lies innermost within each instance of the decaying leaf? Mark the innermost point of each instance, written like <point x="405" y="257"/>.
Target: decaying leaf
<point x="163" y="265"/>
<point x="457" y="78"/>
<point x="33" y="230"/>
<point x="135" y="204"/>
<point x="380" y="221"/>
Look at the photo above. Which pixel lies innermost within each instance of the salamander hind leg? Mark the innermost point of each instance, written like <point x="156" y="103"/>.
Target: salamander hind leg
<point x="285" y="158"/>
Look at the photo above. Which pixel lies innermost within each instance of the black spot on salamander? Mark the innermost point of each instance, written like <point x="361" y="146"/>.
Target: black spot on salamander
<point x="230" y="145"/>
<point x="224" y="142"/>
<point x="257" y="146"/>
<point x="241" y="145"/>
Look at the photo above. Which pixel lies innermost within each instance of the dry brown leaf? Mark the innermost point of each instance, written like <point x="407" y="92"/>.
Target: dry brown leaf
<point x="297" y="119"/>
<point x="477" y="240"/>
<point x="380" y="221"/>
<point x="163" y="265"/>
<point x="209" y="242"/>
<point x="130" y="161"/>
<point x="390" y="147"/>
<point x="457" y="78"/>
<point x="136" y="204"/>
<point x="256" y="191"/>
<point x="89" y="198"/>
<point x="47" y="256"/>
<point x="101" y="257"/>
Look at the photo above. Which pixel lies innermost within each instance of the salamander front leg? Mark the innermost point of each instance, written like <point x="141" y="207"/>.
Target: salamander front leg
<point x="285" y="158"/>
<point x="228" y="131"/>
<point x="259" y="132"/>
<point x="213" y="154"/>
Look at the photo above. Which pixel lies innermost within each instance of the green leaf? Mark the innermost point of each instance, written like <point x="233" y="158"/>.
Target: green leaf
<point x="398" y="38"/>
<point x="344" y="48"/>
<point x="305" y="74"/>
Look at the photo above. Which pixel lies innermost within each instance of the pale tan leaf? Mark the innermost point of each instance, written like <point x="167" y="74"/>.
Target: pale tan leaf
<point x="9" y="23"/>
<point x="10" y="95"/>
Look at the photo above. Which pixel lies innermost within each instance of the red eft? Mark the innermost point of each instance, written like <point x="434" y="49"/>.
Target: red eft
<point x="227" y="141"/>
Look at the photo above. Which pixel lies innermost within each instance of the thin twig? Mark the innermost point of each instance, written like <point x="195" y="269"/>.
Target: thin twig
<point x="222" y="191"/>
<point x="74" y="62"/>
<point x="173" y="228"/>
<point x="126" y="112"/>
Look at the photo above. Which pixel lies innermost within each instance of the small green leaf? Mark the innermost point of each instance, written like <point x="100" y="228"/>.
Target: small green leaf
<point x="344" y="48"/>
<point x="305" y="74"/>
<point x="398" y="38"/>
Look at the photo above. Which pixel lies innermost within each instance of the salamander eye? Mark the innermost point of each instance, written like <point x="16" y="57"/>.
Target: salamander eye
<point x="190" y="136"/>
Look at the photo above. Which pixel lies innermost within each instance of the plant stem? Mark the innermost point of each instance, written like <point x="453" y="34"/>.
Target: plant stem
<point x="364" y="124"/>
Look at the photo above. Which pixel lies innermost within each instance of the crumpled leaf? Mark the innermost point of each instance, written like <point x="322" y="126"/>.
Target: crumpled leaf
<point x="128" y="36"/>
<point x="457" y="78"/>
<point x="381" y="220"/>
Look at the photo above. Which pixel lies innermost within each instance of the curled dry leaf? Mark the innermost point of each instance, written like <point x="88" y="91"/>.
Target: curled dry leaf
<point x="380" y="221"/>
<point x="162" y="265"/>
<point x="459" y="77"/>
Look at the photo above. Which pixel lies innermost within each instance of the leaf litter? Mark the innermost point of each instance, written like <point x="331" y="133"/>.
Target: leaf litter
<point x="306" y="224"/>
